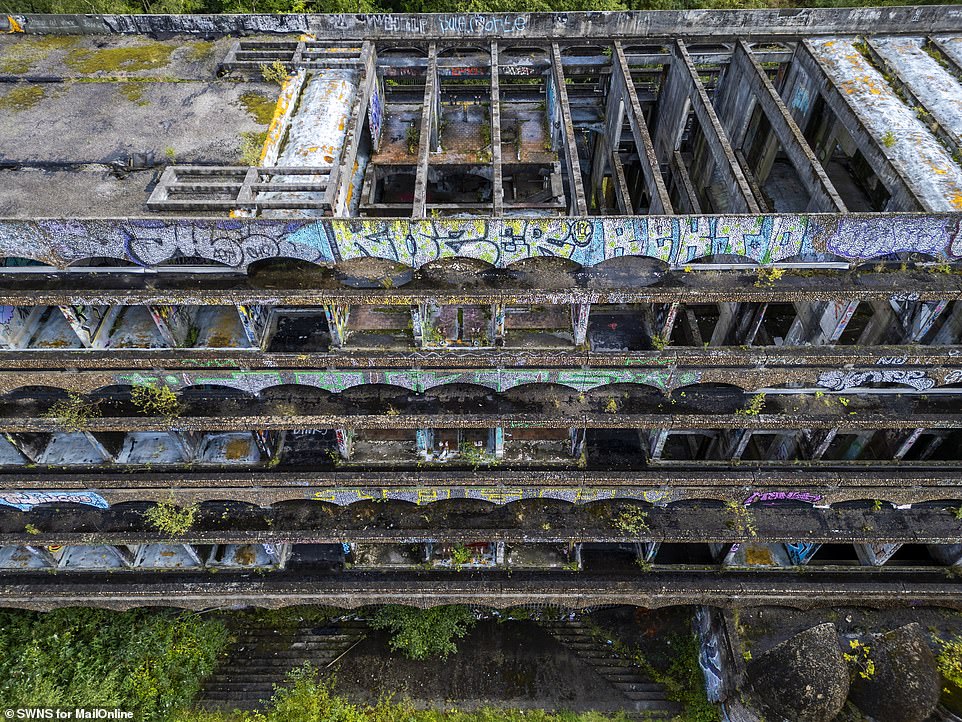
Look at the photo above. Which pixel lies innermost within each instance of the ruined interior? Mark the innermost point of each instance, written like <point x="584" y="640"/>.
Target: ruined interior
<point x="386" y="300"/>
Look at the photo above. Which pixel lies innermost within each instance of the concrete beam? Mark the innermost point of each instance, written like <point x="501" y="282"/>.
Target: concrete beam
<point x="427" y="133"/>
<point x="344" y="176"/>
<point x="497" y="179"/>
<point x="577" y="204"/>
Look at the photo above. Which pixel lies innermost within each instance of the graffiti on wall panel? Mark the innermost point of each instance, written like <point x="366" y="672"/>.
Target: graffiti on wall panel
<point x="842" y="380"/>
<point x="254" y="382"/>
<point x="494" y="495"/>
<point x="26" y="500"/>
<point x="677" y="240"/>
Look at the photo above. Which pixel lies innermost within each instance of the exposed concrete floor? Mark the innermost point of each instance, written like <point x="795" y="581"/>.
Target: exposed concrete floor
<point x="510" y="664"/>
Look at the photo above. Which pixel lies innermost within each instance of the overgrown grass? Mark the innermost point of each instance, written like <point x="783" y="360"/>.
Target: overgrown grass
<point x="21" y="97"/>
<point x="307" y="698"/>
<point x="148" y="662"/>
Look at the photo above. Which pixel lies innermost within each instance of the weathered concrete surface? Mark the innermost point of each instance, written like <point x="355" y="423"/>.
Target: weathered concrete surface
<point x="73" y="192"/>
<point x="803" y="679"/>
<point x="905" y="686"/>
<point x="96" y="123"/>
<point x="709" y="23"/>
<point x="500" y="590"/>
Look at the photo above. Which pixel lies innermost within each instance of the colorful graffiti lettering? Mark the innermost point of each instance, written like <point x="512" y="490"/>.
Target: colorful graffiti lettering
<point x="842" y="380"/>
<point x="26" y="500"/>
<point x="676" y="240"/>
<point x="495" y="495"/>
<point x="805" y="496"/>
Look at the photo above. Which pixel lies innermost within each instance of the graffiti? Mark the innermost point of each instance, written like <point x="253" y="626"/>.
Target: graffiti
<point x="892" y="360"/>
<point x="482" y="24"/>
<point x="953" y="377"/>
<point x="804" y="496"/>
<point x="26" y="500"/>
<point x="842" y="380"/>
<point x="519" y="70"/>
<point x="676" y="240"/>
<point x="801" y="552"/>
<point x="711" y="628"/>
<point x="375" y="114"/>
<point x="494" y="495"/>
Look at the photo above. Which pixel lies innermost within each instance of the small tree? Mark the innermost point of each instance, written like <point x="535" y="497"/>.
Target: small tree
<point x="424" y="633"/>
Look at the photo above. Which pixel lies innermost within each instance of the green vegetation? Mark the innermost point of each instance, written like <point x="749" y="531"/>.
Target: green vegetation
<point x="134" y="92"/>
<point x="153" y="400"/>
<point x="148" y="662"/>
<point x="424" y="633"/>
<point x="631" y="520"/>
<point x="888" y="140"/>
<point x="754" y="407"/>
<point x="740" y="519"/>
<point x="21" y="97"/>
<point x="274" y="72"/>
<point x="148" y="55"/>
<point x="260" y="107"/>
<point x="252" y="145"/>
<point x="307" y="698"/>
<point x="859" y="659"/>
<point x="169" y="518"/>
<point x="20" y="57"/>
<point x="766" y="276"/>
<point x="683" y="679"/>
<point x="949" y="660"/>
<point x="74" y="412"/>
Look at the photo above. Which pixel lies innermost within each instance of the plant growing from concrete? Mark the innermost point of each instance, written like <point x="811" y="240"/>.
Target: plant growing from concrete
<point x="741" y="519"/>
<point x="152" y="400"/>
<point x="74" y="412"/>
<point x="274" y="72"/>
<point x="476" y="455"/>
<point x="888" y="139"/>
<point x="460" y="556"/>
<point x="413" y="138"/>
<point x="754" y="407"/>
<point x="611" y="406"/>
<point x="424" y="633"/>
<point x="632" y="520"/>
<point x="859" y="659"/>
<point x="659" y="342"/>
<point x="766" y="276"/>
<point x="171" y="519"/>
<point x="31" y="529"/>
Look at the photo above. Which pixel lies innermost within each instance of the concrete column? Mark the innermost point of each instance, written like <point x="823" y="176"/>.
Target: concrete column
<point x="345" y="442"/>
<point x="800" y="553"/>
<point x="951" y="330"/>
<point x="496" y="442"/>
<point x="948" y="554"/>
<point x="424" y="439"/>
<point x="497" y="332"/>
<point x="579" y="322"/>
<point x="18" y="325"/>
<point x="820" y="323"/>
<point x="337" y="321"/>
<point x="875" y="555"/>
<point x="657" y="443"/>
<point x="577" y="436"/>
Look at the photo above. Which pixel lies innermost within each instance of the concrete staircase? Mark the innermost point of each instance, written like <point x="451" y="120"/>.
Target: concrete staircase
<point x="645" y="699"/>
<point x="262" y="657"/>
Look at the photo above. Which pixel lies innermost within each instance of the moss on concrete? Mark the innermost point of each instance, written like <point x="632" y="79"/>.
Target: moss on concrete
<point x="22" y="97"/>
<point x="134" y="92"/>
<point x="146" y="56"/>
<point x="260" y="107"/>
<point x="20" y="58"/>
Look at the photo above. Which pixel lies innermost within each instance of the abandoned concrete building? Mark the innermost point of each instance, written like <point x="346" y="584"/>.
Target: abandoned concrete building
<point x="375" y="300"/>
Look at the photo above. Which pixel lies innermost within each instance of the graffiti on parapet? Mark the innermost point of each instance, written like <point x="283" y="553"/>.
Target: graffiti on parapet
<point x="842" y="380"/>
<point x="804" y="496"/>
<point x="675" y="240"/>
<point x="482" y="24"/>
<point x="494" y="495"/>
<point x="26" y="500"/>
<point x="418" y="380"/>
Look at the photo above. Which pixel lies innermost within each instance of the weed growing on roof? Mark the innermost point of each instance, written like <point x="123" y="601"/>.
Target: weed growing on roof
<point x="252" y="145"/>
<point x="888" y="139"/>
<point x="424" y="633"/>
<point x="171" y="519"/>
<point x="274" y="72"/>
<point x="631" y="520"/>
<point x="153" y="400"/>
<point x="74" y="412"/>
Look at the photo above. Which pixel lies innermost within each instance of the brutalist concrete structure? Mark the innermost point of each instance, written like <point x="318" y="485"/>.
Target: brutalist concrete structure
<point x="497" y="309"/>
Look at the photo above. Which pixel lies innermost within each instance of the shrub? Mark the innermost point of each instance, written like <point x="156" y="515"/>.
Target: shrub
<point x="171" y="519"/>
<point x="424" y="633"/>
<point x="153" y="400"/>
<point x="148" y="662"/>
<point x="74" y="412"/>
